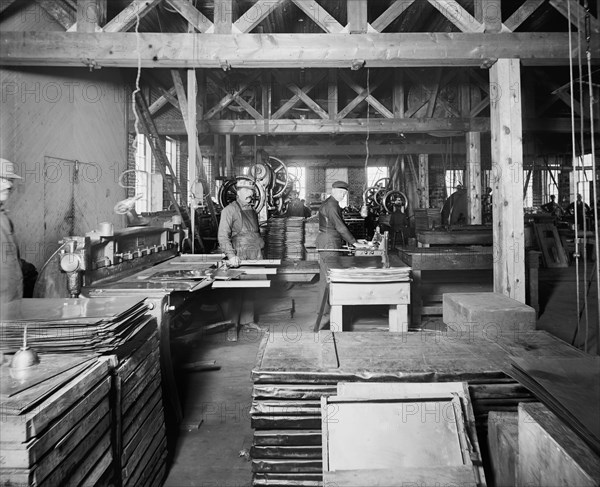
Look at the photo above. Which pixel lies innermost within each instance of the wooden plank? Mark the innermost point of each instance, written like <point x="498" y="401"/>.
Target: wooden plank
<point x="88" y="470"/>
<point x="223" y="16"/>
<point x="398" y="93"/>
<point x="151" y="376"/>
<point x="161" y="101"/>
<point x="90" y="14"/>
<point x="127" y="367"/>
<point x="424" y="181"/>
<point x="473" y="177"/>
<point x="363" y="94"/>
<point x="59" y="12"/>
<point x="137" y="415"/>
<point x="293" y="101"/>
<point x="522" y="14"/>
<point x="256" y="14"/>
<point x="130" y="15"/>
<point x="332" y="94"/>
<point x="192" y="15"/>
<point x="251" y="270"/>
<point x="160" y="50"/>
<point x="550" y="453"/>
<point x="343" y="293"/>
<point x="319" y="16"/>
<point x="578" y="17"/>
<point x="357" y="16"/>
<point x="492" y="15"/>
<point x="148" y="396"/>
<point x="237" y="284"/>
<point x="101" y="467"/>
<point x="507" y="155"/>
<point x="456" y="14"/>
<point x="148" y="365"/>
<point x="153" y="421"/>
<point x="159" y="443"/>
<point x="503" y="445"/>
<point x="287" y="437"/>
<point x="290" y="452"/>
<point x="392" y="13"/>
<point x="433" y="475"/>
<point x="301" y="94"/>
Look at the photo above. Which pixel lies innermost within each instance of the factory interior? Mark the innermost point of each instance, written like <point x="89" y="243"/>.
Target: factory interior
<point x="312" y="243"/>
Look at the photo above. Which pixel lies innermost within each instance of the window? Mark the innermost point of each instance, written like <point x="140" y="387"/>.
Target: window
<point x="143" y="168"/>
<point x="454" y="178"/>
<point x="528" y="193"/>
<point x="550" y="184"/>
<point x="172" y="150"/>
<point x="583" y="177"/>
<point x="376" y="173"/>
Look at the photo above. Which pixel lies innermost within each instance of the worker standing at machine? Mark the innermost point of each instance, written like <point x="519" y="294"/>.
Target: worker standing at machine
<point x="295" y="206"/>
<point x="239" y="238"/>
<point x="11" y="276"/>
<point x="332" y="230"/>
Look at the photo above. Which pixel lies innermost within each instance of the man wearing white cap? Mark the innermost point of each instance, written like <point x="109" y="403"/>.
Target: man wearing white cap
<point x="239" y="238"/>
<point x="11" y="276"/>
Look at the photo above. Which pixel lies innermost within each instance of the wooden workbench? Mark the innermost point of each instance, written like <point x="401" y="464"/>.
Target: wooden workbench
<point x="468" y="235"/>
<point x="290" y="377"/>
<point x="395" y="294"/>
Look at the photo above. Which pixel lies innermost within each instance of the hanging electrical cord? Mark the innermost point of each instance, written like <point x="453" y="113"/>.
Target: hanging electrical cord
<point x="588" y="54"/>
<point x="573" y="161"/>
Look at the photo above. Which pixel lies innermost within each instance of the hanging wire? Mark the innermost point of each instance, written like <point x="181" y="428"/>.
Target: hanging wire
<point x="138" y="75"/>
<point x="588" y="53"/>
<point x="573" y="161"/>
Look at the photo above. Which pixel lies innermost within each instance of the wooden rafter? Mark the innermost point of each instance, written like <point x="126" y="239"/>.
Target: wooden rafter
<point x="167" y="96"/>
<point x="301" y="94"/>
<point x="4" y="4"/>
<point x="520" y="15"/>
<point x="456" y="14"/>
<point x="237" y="98"/>
<point x="292" y="102"/>
<point x="578" y="15"/>
<point x="256" y="14"/>
<point x="59" y="11"/>
<point x="334" y="150"/>
<point x="559" y="94"/>
<point x="90" y="15"/>
<point x="434" y="93"/>
<point x="364" y="95"/>
<point x="392" y="13"/>
<point x="190" y="13"/>
<point x="127" y="18"/>
<point x="158" y="50"/>
<point x="477" y="109"/>
<point x="230" y="97"/>
<point x="319" y="16"/>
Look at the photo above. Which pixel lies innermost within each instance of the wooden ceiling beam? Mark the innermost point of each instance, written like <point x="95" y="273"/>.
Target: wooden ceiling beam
<point x="319" y="16"/>
<point x="392" y="13"/>
<point x="256" y="14"/>
<point x="159" y="50"/>
<point x="59" y="11"/>
<point x="190" y="13"/>
<point x="230" y="97"/>
<point x="292" y="102"/>
<point x="527" y="8"/>
<point x="128" y="17"/>
<point x="578" y="15"/>
<point x="168" y="96"/>
<point x="91" y="14"/>
<point x="332" y="150"/>
<point x="365" y="94"/>
<point x="458" y="16"/>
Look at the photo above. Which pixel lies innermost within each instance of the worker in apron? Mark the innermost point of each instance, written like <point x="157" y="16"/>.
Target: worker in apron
<point x="332" y="230"/>
<point x="239" y="238"/>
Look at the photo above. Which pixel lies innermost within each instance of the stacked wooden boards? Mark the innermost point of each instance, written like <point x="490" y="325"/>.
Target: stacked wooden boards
<point x="140" y="432"/>
<point x="291" y="376"/>
<point x="58" y="431"/>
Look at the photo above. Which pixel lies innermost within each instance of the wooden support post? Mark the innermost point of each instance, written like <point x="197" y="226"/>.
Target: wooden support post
<point x="492" y="15"/>
<point x="90" y="13"/>
<point x="357" y="16"/>
<point x="229" y="171"/>
<point x="473" y="179"/>
<point x="424" y="180"/>
<point x="332" y="94"/>
<point x="507" y="174"/>
<point x="223" y="16"/>
<point x="398" y="94"/>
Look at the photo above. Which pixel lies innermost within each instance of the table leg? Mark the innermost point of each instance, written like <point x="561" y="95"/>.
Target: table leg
<point x="398" y="318"/>
<point x="336" y="318"/>
<point x="416" y="304"/>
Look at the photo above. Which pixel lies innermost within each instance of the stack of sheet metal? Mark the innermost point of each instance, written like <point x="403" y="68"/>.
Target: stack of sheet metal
<point x="570" y="387"/>
<point x="275" y="238"/>
<point x="75" y="325"/>
<point x="56" y="422"/>
<point x="294" y="239"/>
<point x="391" y="274"/>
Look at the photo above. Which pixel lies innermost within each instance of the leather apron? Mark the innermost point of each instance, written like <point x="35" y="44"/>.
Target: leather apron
<point x="248" y="244"/>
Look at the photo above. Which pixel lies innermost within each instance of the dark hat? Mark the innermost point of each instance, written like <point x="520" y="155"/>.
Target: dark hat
<point x="340" y="184"/>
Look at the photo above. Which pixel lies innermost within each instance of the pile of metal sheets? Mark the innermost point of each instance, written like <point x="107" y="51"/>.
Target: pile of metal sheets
<point x="73" y="325"/>
<point x="294" y="239"/>
<point x="569" y="387"/>
<point x="391" y="274"/>
<point x="275" y="238"/>
<point x="56" y="422"/>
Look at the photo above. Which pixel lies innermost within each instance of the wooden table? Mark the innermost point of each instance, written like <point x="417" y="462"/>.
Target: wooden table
<point x="469" y="235"/>
<point x="394" y="294"/>
<point x="458" y="259"/>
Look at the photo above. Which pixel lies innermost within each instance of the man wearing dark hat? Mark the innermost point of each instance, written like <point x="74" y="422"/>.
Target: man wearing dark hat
<point x="11" y="276"/>
<point x="239" y="238"/>
<point x="332" y="229"/>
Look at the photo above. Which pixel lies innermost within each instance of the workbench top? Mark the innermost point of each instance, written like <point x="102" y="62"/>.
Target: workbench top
<point x="347" y="262"/>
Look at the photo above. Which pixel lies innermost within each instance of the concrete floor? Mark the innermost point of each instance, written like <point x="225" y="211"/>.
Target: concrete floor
<point x="215" y="454"/>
